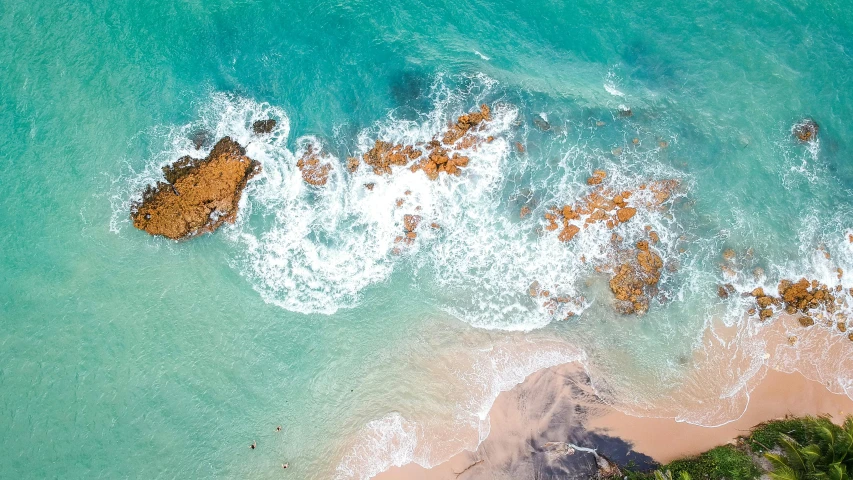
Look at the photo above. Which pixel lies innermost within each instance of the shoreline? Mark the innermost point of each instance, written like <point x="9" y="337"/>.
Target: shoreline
<point x="558" y="404"/>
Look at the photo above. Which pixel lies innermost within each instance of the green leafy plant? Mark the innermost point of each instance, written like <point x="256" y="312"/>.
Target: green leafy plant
<point x="668" y="475"/>
<point x="828" y="455"/>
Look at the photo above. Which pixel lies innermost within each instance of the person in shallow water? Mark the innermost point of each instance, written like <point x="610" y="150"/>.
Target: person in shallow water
<point x="253" y="445"/>
<point x="285" y="465"/>
<point x="278" y="428"/>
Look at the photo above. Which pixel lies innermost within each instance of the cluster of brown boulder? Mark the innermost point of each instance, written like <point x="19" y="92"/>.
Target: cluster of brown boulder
<point x="383" y="155"/>
<point x="634" y="281"/>
<point x="315" y="166"/>
<point x="605" y="205"/>
<point x="435" y="156"/>
<point x="807" y="298"/>
<point x="198" y="195"/>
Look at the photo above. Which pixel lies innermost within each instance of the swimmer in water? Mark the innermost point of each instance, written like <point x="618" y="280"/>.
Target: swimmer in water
<point x="253" y="445"/>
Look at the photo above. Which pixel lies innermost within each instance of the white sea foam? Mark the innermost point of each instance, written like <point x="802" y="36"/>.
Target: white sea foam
<point x="484" y="57"/>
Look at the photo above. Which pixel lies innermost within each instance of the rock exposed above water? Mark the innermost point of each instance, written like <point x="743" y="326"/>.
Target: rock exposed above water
<point x="315" y="166"/>
<point x="806" y="130"/>
<point x="261" y="127"/>
<point x="198" y="196"/>
<point x="604" y="204"/>
<point x="433" y="158"/>
<point x="635" y="280"/>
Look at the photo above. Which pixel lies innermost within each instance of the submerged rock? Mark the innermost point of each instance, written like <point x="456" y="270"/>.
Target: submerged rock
<point x="200" y="139"/>
<point x="541" y="123"/>
<point x="261" y="127"/>
<point x="198" y="196"/>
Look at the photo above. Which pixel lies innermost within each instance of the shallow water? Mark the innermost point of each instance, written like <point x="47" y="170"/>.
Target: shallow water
<point x="129" y="356"/>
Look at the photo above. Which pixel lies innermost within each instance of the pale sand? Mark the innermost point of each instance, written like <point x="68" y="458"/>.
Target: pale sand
<point x="557" y="404"/>
<point x="777" y="395"/>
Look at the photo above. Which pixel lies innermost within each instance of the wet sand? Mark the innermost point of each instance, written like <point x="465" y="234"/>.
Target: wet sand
<point x="777" y="395"/>
<point x="559" y="405"/>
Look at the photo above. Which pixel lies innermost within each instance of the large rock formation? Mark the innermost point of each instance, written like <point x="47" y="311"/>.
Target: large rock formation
<point x="635" y="280"/>
<point x="198" y="195"/>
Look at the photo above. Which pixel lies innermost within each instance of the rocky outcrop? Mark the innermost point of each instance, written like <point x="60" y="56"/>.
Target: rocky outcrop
<point x="809" y="299"/>
<point x="439" y="161"/>
<point x="385" y="154"/>
<point x="262" y="127"/>
<point x="315" y="166"/>
<point x="603" y="204"/>
<point x="634" y="281"/>
<point x="433" y="158"/>
<point x="198" y="195"/>
<point x="805" y="130"/>
<point x="465" y="123"/>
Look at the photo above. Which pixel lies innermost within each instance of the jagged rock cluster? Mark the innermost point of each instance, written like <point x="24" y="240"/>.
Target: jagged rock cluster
<point x="804" y="297"/>
<point x="603" y="204"/>
<point x="198" y="196"/>
<point x="315" y="166"/>
<point x="635" y="279"/>
<point x="262" y="127"/>
<point x="435" y="157"/>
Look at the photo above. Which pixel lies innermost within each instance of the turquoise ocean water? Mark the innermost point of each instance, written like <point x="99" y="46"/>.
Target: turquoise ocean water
<point x="126" y="356"/>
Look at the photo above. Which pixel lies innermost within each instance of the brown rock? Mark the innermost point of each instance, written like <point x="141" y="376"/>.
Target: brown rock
<point x="758" y="292"/>
<point x="568" y="233"/>
<point x="465" y="123"/>
<point x="806" y="321"/>
<point x="633" y="281"/>
<point x="806" y="130"/>
<point x="842" y="326"/>
<point x="384" y="154"/>
<point x="596" y="178"/>
<point x="625" y="214"/>
<point x="519" y="147"/>
<point x="525" y="211"/>
<point x="261" y="127"/>
<point x="352" y="164"/>
<point x="199" y="194"/>
<point x="314" y="166"/>
<point x="765" y="314"/>
<point x="722" y="292"/>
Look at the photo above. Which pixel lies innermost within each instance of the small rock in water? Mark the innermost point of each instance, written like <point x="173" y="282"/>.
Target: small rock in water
<point x="541" y="123"/>
<point x="263" y="126"/>
<point x="625" y="111"/>
<point x="806" y="130"/>
<point x="200" y="138"/>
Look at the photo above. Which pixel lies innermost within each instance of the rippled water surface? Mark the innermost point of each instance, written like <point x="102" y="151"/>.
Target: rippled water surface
<point x="123" y="355"/>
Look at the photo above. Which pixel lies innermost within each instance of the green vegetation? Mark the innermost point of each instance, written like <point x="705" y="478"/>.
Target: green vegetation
<point x="796" y="449"/>
<point x="829" y="453"/>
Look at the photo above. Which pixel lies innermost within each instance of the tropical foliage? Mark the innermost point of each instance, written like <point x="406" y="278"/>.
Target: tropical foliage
<point x="827" y="453"/>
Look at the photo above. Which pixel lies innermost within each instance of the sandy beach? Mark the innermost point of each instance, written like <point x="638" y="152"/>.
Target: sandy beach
<point x="559" y="405"/>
